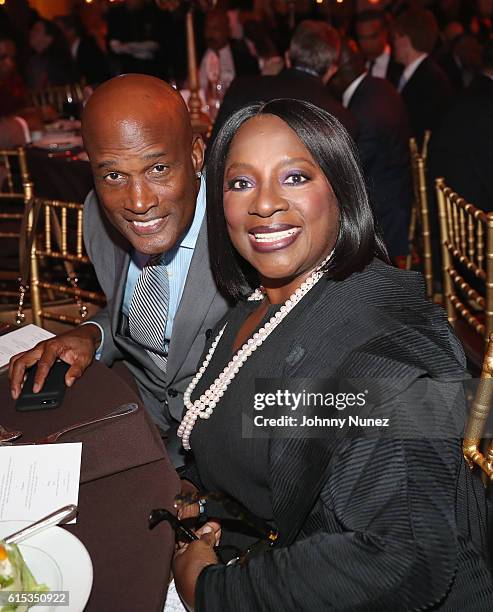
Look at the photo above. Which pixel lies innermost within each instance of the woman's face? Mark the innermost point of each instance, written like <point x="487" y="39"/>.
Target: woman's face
<point x="281" y="212"/>
<point x="39" y="39"/>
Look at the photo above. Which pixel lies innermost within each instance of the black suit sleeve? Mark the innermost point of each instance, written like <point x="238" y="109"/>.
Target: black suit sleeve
<point x="393" y="500"/>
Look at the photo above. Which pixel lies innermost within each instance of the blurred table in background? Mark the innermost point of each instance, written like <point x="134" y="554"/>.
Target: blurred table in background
<point x="57" y="175"/>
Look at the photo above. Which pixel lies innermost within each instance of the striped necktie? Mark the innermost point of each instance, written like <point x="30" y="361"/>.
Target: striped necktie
<point x="149" y="310"/>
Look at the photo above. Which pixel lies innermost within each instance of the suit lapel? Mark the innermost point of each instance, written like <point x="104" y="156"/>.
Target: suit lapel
<point x="122" y="262"/>
<point x="197" y="297"/>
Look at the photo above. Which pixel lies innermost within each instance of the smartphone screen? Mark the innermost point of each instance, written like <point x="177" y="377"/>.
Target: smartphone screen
<point x="52" y="393"/>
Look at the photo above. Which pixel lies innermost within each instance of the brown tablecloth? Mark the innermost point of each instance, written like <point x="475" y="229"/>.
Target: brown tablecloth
<point x="57" y="178"/>
<point x="125" y="473"/>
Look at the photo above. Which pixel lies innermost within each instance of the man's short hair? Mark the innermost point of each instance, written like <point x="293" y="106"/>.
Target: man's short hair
<point x="373" y="15"/>
<point x="420" y="26"/>
<point x="315" y="45"/>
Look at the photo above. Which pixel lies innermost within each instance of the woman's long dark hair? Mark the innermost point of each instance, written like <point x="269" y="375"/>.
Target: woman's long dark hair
<point x="335" y="153"/>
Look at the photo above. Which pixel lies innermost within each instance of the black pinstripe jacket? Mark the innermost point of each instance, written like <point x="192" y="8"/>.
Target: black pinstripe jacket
<point x="366" y="523"/>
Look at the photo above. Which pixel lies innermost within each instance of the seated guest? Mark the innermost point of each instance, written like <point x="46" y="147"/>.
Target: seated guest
<point x="13" y="92"/>
<point x="137" y="30"/>
<point x="91" y="63"/>
<point x="372" y="32"/>
<point x="358" y="522"/>
<point x="313" y="55"/>
<point x="17" y="118"/>
<point x="149" y="202"/>
<point x="461" y="150"/>
<point x="225" y="58"/>
<point x="383" y="146"/>
<point x="424" y="87"/>
<point x="51" y="63"/>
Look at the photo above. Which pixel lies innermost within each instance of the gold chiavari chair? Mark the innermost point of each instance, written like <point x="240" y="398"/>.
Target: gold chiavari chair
<point x="477" y="420"/>
<point x="16" y="189"/>
<point x="57" y="96"/>
<point x="419" y="227"/>
<point x="466" y="236"/>
<point x="54" y="236"/>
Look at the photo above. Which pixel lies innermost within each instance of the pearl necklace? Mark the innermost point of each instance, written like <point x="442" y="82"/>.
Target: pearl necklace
<point x="204" y="406"/>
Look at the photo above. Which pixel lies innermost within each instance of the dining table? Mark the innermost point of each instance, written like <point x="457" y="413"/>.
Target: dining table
<point x="59" y="175"/>
<point x="125" y="473"/>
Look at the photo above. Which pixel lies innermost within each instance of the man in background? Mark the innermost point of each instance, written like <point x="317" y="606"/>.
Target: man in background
<point x="372" y="32"/>
<point x="225" y="58"/>
<point x="91" y="63"/>
<point x="383" y="145"/>
<point x="313" y="55"/>
<point x="423" y="85"/>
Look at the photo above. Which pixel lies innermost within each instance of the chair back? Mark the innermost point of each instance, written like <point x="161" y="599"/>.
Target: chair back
<point x="59" y="266"/>
<point x="477" y="420"/>
<point x="419" y="227"/>
<point x="16" y="189"/>
<point x="466" y="236"/>
<point x="57" y="96"/>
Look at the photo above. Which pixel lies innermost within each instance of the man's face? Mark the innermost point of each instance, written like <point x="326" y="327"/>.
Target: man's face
<point x="372" y="38"/>
<point x="217" y="32"/>
<point x="7" y="58"/>
<point x="144" y="171"/>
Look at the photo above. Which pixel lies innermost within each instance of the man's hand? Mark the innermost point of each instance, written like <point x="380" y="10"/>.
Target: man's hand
<point x="76" y="347"/>
<point x="190" y="560"/>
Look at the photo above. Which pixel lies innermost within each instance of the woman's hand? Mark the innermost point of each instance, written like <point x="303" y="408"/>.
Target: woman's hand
<point x="191" y="559"/>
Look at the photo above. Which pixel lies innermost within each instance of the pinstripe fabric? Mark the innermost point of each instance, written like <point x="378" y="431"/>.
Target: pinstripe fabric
<point x="149" y="310"/>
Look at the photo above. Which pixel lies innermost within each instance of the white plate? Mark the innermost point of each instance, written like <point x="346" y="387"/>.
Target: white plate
<point x="58" y="559"/>
<point x="58" y="142"/>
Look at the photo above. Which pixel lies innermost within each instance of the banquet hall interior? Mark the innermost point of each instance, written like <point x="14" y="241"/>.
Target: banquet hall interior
<point x="410" y="80"/>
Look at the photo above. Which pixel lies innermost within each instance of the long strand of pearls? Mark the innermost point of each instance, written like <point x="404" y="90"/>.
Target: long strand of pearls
<point x="204" y="406"/>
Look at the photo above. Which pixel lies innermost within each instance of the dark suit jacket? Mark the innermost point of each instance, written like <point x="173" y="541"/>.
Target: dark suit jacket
<point x="462" y="149"/>
<point x="427" y="97"/>
<point x="290" y="83"/>
<point x="383" y="144"/>
<point x="245" y="63"/>
<point x="394" y="71"/>
<point x="201" y="306"/>
<point x="366" y="522"/>
<point x="92" y="64"/>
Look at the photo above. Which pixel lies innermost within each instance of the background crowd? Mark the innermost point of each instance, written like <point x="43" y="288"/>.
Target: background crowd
<point x="386" y="73"/>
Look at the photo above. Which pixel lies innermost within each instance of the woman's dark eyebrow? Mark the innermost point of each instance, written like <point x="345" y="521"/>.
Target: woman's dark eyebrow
<point x="284" y="162"/>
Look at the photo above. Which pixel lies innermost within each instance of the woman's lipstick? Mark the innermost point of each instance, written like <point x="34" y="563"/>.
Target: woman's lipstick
<point x="267" y="238"/>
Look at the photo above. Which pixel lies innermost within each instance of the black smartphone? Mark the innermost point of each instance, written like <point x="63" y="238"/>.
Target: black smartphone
<point x="50" y="396"/>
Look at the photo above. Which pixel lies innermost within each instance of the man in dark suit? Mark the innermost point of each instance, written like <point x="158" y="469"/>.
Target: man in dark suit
<point x="313" y="56"/>
<point x="372" y="32"/>
<point x="383" y="144"/>
<point x="145" y="233"/>
<point x="225" y="58"/>
<point x="423" y="85"/>
<point x="461" y="151"/>
<point x="91" y="63"/>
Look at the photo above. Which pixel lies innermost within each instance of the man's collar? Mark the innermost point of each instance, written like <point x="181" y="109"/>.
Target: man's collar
<point x="349" y="92"/>
<point x="307" y="70"/>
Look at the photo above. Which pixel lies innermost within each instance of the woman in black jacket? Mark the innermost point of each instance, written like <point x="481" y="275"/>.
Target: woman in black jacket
<point x="364" y="515"/>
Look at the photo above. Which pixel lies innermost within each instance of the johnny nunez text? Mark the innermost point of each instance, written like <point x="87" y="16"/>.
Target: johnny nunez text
<point x="291" y="421"/>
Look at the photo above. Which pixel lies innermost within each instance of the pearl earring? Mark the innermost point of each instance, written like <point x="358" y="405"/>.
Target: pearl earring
<point x="198" y="174"/>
